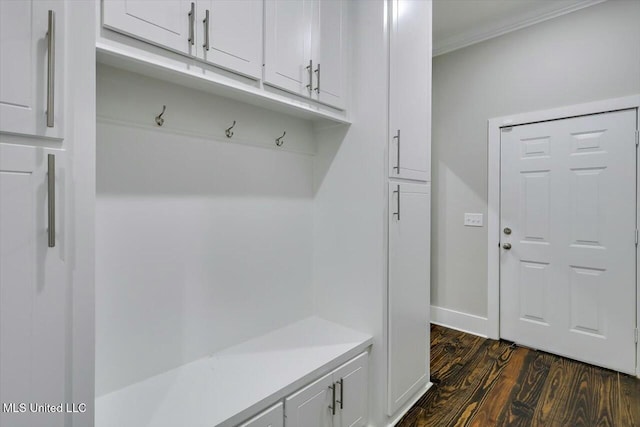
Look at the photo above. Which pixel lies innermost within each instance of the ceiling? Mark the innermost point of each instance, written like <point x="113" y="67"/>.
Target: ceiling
<point x="460" y="23"/>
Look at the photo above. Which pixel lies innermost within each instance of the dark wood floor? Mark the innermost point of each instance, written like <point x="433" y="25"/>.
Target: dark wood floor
<point x="486" y="383"/>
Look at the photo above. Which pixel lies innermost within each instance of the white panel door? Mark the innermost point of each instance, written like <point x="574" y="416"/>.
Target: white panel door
<point x="410" y="90"/>
<point x="409" y="236"/>
<point x="310" y="407"/>
<point x="167" y="23"/>
<point x="568" y="196"/>
<point x="328" y="52"/>
<point x="352" y="392"/>
<point x="272" y="417"/>
<point x="287" y="50"/>
<point x="24" y="64"/>
<point x="33" y="294"/>
<point x="234" y="35"/>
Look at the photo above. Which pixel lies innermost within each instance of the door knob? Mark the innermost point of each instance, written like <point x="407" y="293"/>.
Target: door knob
<point x="506" y="246"/>
<point x="507" y="230"/>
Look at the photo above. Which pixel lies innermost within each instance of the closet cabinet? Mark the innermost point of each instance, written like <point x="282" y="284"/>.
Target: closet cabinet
<point x="409" y="259"/>
<point x="225" y="33"/>
<point x="339" y="399"/>
<point x="410" y="90"/>
<point x="305" y="44"/>
<point x="33" y="290"/>
<point x="31" y="67"/>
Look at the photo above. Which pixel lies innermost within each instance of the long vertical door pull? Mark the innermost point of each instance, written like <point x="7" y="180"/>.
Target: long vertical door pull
<point x="397" y="213"/>
<point x="333" y="398"/>
<point x="51" y="190"/>
<point x="206" y="30"/>
<point x="397" y="166"/>
<point x="310" y="71"/>
<point x="51" y="67"/>
<point x="317" y="89"/>
<point x="192" y="19"/>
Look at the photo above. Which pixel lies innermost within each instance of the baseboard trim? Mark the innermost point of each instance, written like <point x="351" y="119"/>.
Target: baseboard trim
<point x="464" y="322"/>
<point x="409" y="405"/>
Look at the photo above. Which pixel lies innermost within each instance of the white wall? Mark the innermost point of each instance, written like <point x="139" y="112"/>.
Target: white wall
<point x="588" y="55"/>
<point x="350" y="201"/>
<point x="201" y="242"/>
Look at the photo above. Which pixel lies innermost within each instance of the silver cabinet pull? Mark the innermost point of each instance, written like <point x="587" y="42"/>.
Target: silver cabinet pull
<point x="397" y="166"/>
<point x="317" y="89"/>
<point x="51" y="68"/>
<point x="333" y="399"/>
<point x="206" y="30"/>
<point x="397" y="213"/>
<point x="309" y="69"/>
<point x="192" y="18"/>
<point x="51" y="190"/>
<point x="341" y="401"/>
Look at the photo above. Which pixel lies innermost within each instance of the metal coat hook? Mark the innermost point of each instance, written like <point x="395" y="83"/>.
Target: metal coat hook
<point x="228" y="131"/>
<point x="279" y="140"/>
<point x="159" y="119"/>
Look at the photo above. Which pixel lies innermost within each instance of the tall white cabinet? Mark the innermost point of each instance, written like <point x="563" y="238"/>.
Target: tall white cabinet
<point x="409" y="200"/>
<point x="46" y="300"/>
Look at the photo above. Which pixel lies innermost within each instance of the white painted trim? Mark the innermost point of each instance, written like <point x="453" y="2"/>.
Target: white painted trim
<point x="493" y="211"/>
<point x="464" y="322"/>
<point x="637" y="251"/>
<point x="409" y="405"/>
<point x="504" y="26"/>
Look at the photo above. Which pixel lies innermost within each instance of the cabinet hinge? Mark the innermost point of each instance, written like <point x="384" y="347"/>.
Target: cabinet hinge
<point x="636" y="237"/>
<point x="636" y="335"/>
<point x="637" y="137"/>
<point x="506" y="128"/>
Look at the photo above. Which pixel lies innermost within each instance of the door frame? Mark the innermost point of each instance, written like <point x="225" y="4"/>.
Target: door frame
<point x="493" y="211"/>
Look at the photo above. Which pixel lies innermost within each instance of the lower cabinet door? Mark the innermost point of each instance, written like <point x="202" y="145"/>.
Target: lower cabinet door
<point x="408" y="334"/>
<point x="310" y="407"/>
<point x="352" y="382"/>
<point x="272" y="417"/>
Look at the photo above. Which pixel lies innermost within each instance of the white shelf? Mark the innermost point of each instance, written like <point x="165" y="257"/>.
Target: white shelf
<point x="168" y="66"/>
<point x="234" y="384"/>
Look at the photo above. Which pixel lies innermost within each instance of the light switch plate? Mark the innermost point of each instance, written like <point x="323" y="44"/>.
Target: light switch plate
<point x="473" y="219"/>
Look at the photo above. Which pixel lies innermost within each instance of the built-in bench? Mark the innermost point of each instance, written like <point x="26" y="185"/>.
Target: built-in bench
<point x="232" y="385"/>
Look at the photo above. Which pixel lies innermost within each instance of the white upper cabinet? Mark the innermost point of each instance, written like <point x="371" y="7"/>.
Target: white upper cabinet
<point x="410" y="90"/>
<point x="287" y="48"/>
<point x="225" y="33"/>
<point x="31" y="67"/>
<point x="328" y="53"/>
<point x="305" y="46"/>
<point x="168" y="23"/>
<point x="231" y="34"/>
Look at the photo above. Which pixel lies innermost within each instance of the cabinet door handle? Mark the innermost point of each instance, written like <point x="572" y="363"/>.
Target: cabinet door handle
<point x="333" y="398"/>
<point x="309" y="69"/>
<point x="341" y="401"/>
<point x="317" y="89"/>
<point x="51" y="190"/>
<point x="192" y="18"/>
<point x="51" y="68"/>
<point x="206" y="30"/>
<point x="397" y="166"/>
<point x="397" y="213"/>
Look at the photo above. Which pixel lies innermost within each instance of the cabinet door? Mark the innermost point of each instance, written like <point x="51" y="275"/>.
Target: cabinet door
<point x="31" y="68"/>
<point x="410" y="90"/>
<point x="409" y="229"/>
<point x="328" y="52"/>
<point x="167" y="23"/>
<point x="352" y="380"/>
<point x="272" y="417"/>
<point x="310" y="407"/>
<point x="287" y="50"/>
<point x="33" y="290"/>
<point x="235" y="35"/>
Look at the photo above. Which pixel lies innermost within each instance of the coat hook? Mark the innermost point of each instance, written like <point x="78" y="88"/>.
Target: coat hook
<point x="279" y="140"/>
<point x="228" y="131"/>
<point x="159" y="119"/>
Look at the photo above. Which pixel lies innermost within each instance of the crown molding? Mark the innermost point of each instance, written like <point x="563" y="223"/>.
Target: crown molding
<point x="508" y="25"/>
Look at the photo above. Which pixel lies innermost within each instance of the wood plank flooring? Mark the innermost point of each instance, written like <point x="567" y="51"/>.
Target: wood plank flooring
<point x="485" y="383"/>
